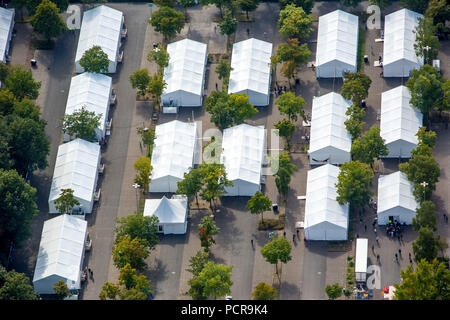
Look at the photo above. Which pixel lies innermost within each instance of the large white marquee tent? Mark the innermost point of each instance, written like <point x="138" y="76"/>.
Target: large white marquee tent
<point x="251" y="72"/>
<point x="101" y="26"/>
<point x="76" y="167"/>
<point x="173" y="154"/>
<point x="399" y="122"/>
<point x="185" y="74"/>
<point x="400" y="58"/>
<point x="395" y="199"/>
<point x="325" y="218"/>
<point x="61" y="254"/>
<point x="337" y="44"/>
<point x="6" y="30"/>
<point x="171" y="213"/>
<point x="93" y="91"/>
<point x="243" y="155"/>
<point x="330" y="142"/>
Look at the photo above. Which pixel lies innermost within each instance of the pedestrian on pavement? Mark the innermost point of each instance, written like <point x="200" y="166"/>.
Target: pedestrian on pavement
<point x="373" y="248"/>
<point x="396" y="257"/>
<point x="304" y="239"/>
<point x="409" y="256"/>
<point x="365" y="227"/>
<point x="217" y="87"/>
<point x="357" y="235"/>
<point x="89" y="270"/>
<point x="297" y="232"/>
<point x="378" y="257"/>
<point x="284" y="234"/>
<point x="293" y="238"/>
<point x="377" y="238"/>
<point x="251" y="241"/>
<point x="375" y="230"/>
<point x="400" y="252"/>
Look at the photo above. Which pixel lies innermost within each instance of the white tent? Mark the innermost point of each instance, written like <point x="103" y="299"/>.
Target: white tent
<point x="76" y="168"/>
<point x="101" y="26"/>
<point x="362" y="245"/>
<point x="243" y="155"/>
<point x="173" y="154"/>
<point x="172" y="213"/>
<point x="396" y="199"/>
<point x="93" y="91"/>
<point x="400" y="58"/>
<point x="61" y="254"/>
<point x="337" y="44"/>
<point x="6" y="30"/>
<point x="399" y="122"/>
<point x="251" y="72"/>
<point x="325" y="218"/>
<point x="185" y="74"/>
<point x="330" y="141"/>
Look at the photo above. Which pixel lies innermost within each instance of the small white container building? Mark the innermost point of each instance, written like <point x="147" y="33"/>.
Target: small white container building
<point x="399" y="122"/>
<point x="243" y="156"/>
<point x="325" y="218"/>
<point x="6" y="31"/>
<point x="395" y="199"/>
<point x="330" y="142"/>
<point x="337" y="44"/>
<point x="251" y="73"/>
<point x="400" y="58"/>
<point x="173" y="154"/>
<point x="185" y="74"/>
<point x="362" y="246"/>
<point x="94" y="92"/>
<point x="172" y="213"/>
<point x="102" y="26"/>
<point x="61" y="254"/>
<point x="76" y="167"/>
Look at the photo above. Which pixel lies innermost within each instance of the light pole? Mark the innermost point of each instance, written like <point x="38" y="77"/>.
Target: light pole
<point x="424" y="185"/>
<point x="136" y="187"/>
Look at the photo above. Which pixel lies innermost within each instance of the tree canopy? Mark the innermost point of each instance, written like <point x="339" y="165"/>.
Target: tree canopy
<point x="427" y="43"/>
<point x="278" y="249"/>
<point x="140" y="80"/>
<point x="206" y="230"/>
<point x="415" y="5"/>
<point x="215" y="279"/>
<point x="15" y="286"/>
<point x="294" y="22"/>
<point x="291" y="105"/>
<point x="426" y="245"/>
<point x="198" y="262"/>
<point x="47" y="20"/>
<point x="425" y="216"/>
<point x="263" y="291"/>
<point x="138" y="226"/>
<point x="353" y="184"/>
<point x="130" y="251"/>
<point x="167" y="21"/>
<point x="66" y="201"/>
<point x="259" y="203"/>
<point x="143" y="171"/>
<point x="81" y="124"/>
<point x="20" y="82"/>
<point x="306" y="5"/>
<point x="248" y="5"/>
<point x="356" y="87"/>
<point x="291" y="52"/>
<point x="333" y="291"/>
<point x="228" y="25"/>
<point x="160" y="56"/>
<point x="95" y="60"/>
<point x="369" y="146"/>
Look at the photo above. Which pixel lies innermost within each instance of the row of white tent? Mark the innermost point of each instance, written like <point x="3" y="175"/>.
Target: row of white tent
<point x="185" y="74"/>
<point x="337" y="44"/>
<point x="6" y="31"/>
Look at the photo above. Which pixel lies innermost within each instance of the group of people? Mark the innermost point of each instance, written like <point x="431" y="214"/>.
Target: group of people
<point x="394" y="229"/>
<point x="278" y="90"/>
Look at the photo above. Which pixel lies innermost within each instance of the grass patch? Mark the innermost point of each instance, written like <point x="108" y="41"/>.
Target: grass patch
<point x="350" y="281"/>
<point x="361" y="49"/>
<point x="272" y="224"/>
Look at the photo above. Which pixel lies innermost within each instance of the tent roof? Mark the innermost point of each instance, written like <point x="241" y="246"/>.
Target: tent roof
<point x="91" y="90"/>
<point x="362" y="245"/>
<point x="337" y="38"/>
<point x="6" y="21"/>
<point x="167" y="210"/>
<point x="250" y="61"/>
<point x="243" y="150"/>
<point x="186" y="67"/>
<point x="399" y="120"/>
<point x="101" y="26"/>
<point x="321" y="204"/>
<point x="61" y="248"/>
<point x="327" y="123"/>
<point x="173" y="151"/>
<point x="399" y="36"/>
<point x="76" y="167"/>
<point x="395" y="190"/>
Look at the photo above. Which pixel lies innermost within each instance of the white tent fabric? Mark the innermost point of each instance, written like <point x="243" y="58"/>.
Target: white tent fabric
<point x="76" y="167"/>
<point x="399" y="56"/>
<point x="325" y="218"/>
<point x="337" y="44"/>
<point x="172" y="213"/>
<point x="93" y="91"/>
<point x="362" y="245"/>
<point x="243" y="155"/>
<point x="395" y="198"/>
<point x="185" y="74"/>
<point x="61" y="253"/>
<point x="399" y="122"/>
<point x="6" y="29"/>
<point x="251" y="72"/>
<point x="102" y="27"/>
<point x="173" y="154"/>
<point x="330" y="142"/>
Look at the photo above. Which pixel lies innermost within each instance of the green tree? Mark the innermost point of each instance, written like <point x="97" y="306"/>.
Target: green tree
<point x="66" y="201"/>
<point x="259" y="203"/>
<point x="427" y="43"/>
<point x="439" y="11"/>
<point x="187" y="4"/>
<point x="292" y="55"/>
<point x="191" y="184"/>
<point x="95" y="60"/>
<point x="160" y="56"/>
<point x="426" y="137"/>
<point x="156" y="86"/>
<point x="429" y="281"/>
<point x="206" y="230"/>
<point x="306" y="5"/>
<point x="28" y="110"/>
<point x="283" y="172"/>
<point x="140" y="80"/>
<point x="5" y="159"/>
<point x="426" y="245"/>
<point x="166" y="3"/>
<point x="4" y="71"/>
<point x="354" y="126"/>
<point x="15" y="286"/>
<point x="356" y="87"/>
<point x="333" y="291"/>
<point x="132" y="251"/>
<point x="109" y="291"/>
<point x="415" y="5"/>
<point x="278" y="249"/>
<point x="248" y="5"/>
<point x="381" y="3"/>
<point x="220" y="4"/>
<point x="263" y="291"/>
<point x="291" y="105"/>
<point x="32" y="5"/>
<point x="216" y="279"/>
<point x="143" y="171"/>
<point x="138" y="226"/>
<point x="20" y="82"/>
<point x="369" y="146"/>
<point x="81" y="124"/>
<point x="228" y="25"/>
<point x="7" y="101"/>
<point x="445" y="105"/>
<point x="148" y="138"/>
<point x="167" y="21"/>
<point x="214" y="181"/>
<point x="285" y="129"/>
<point x="17" y="207"/>
<point x="425" y="217"/>
<point x="353" y="184"/>
<point x="294" y="22"/>
<point x="61" y="290"/>
<point x="350" y="3"/>
<point x="47" y="21"/>
<point x="198" y="262"/>
<point x="223" y="70"/>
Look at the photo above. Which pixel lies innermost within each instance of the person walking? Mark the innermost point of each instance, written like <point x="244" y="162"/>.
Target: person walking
<point x="365" y="227"/>
<point x="293" y="238"/>
<point x="396" y="257"/>
<point x="378" y="257"/>
<point x="373" y="249"/>
<point x="375" y="230"/>
<point x="377" y="238"/>
<point x="284" y="234"/>
<point x="400" y="252"/>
